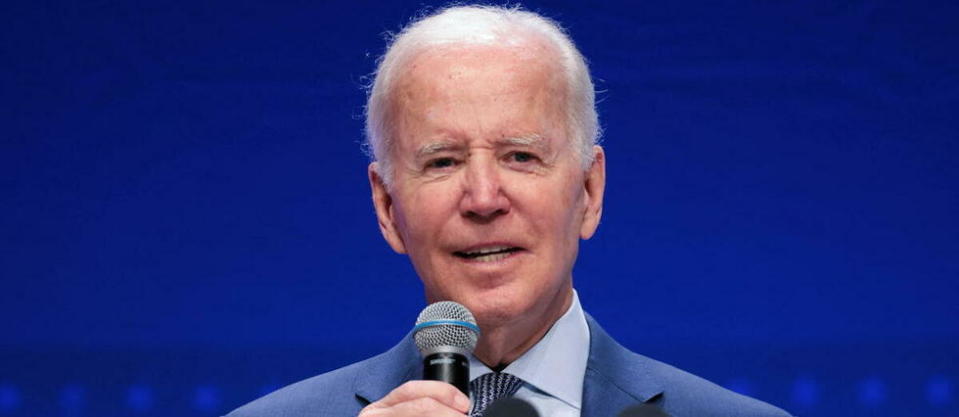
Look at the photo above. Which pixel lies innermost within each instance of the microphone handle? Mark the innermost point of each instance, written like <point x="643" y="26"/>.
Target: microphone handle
<point x="449" y="367"/>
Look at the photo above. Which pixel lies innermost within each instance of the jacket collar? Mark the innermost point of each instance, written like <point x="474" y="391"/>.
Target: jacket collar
<point x="381" y="374"/>
<point x="615" y="377"/>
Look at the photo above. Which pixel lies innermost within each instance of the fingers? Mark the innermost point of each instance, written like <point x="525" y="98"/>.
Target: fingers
<point x="420" y="398"/>
<point x="420" y="407"/>
<point x="441" y="392"/>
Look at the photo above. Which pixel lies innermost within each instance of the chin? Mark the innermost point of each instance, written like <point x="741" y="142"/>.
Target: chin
<point x="497" y="309"/>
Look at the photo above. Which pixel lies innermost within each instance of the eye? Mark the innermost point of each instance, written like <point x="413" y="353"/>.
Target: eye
<point x="441" y="163"/>
<point x="522" y="157"/>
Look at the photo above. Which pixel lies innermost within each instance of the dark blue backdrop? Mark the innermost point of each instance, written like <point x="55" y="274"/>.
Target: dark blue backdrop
<point x="186" y="221"/>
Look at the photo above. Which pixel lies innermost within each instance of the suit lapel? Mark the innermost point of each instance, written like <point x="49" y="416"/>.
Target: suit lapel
<point x="615" y="377"/>
<point x="382" y="373"/>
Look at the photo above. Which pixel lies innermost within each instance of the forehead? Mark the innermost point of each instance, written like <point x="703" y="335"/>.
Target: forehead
<point x="530" y="62"/>
<point x="465" y="87"/>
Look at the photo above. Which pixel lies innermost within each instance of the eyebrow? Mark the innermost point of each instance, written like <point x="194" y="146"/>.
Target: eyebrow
<point x="533" y="141"/>
<point x="435" y="148"/>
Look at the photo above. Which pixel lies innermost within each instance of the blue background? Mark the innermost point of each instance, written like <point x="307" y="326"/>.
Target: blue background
<point x="186" y="221"/>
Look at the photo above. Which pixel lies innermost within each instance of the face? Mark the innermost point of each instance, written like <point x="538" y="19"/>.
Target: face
<point x="488" y="198"/>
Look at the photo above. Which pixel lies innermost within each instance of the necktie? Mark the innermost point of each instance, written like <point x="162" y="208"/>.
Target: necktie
<point x="491" y="387"/>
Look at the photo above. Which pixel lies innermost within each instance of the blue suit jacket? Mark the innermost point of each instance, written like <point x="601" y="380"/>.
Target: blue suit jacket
<point x="615" y="379"/>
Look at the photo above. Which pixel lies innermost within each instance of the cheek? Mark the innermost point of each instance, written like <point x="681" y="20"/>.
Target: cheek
<point x="423" y="213"/>
<point x="565" y="206"/>
<point x="568" y="219"/>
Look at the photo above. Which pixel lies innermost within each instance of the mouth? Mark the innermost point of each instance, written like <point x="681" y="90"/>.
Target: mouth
<point x="488" y="253"/>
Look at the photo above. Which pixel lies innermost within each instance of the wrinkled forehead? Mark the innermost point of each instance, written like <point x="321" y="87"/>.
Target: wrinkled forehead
<point x="531" y="57"/>
<point x="451" y="78"/>
<point x="527" y="65"/>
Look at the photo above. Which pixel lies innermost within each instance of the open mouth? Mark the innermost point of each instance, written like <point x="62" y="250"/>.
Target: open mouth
<point x="489" y="254"/>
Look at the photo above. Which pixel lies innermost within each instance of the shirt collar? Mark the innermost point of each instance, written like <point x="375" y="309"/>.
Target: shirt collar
<point x="557" y="363"/>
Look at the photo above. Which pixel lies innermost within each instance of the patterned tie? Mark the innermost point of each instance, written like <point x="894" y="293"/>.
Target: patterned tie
<point x="491" y="387"/>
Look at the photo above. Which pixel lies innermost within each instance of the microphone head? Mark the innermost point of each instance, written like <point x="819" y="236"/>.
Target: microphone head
<point x="445" y="326"/>
<point x="510" y="407"/>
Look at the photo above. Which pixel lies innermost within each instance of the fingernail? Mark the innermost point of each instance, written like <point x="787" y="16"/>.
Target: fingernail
<point x="462" y="402"/>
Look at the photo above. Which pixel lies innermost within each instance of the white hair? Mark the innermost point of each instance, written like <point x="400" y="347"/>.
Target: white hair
<point x="481" y="25"/>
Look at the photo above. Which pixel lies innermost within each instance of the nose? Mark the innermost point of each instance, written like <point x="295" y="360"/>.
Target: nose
<point x="483" y="199"/>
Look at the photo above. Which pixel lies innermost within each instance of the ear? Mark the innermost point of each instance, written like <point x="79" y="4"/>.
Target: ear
<point x="594" y="187"/>
<point x="383" y="203"/>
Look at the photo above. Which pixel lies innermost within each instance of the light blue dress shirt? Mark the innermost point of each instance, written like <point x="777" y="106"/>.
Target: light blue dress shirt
<point x="553" y="369"/>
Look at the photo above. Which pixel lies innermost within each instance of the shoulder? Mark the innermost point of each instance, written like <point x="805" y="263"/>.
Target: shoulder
<point x="340" y="392"/>
<point x="685" y="394"/>
<point x="327" y="394"/>
<point x="679" y="393"/>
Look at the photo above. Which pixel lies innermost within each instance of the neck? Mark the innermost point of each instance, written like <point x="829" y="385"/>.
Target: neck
<point x="502" y="344"/>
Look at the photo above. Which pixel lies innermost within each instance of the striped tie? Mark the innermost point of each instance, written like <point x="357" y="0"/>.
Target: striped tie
<point x="491" y="387"/>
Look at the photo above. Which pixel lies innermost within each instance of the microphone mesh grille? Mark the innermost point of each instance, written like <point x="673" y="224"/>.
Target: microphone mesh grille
<point x="431" y="337"/>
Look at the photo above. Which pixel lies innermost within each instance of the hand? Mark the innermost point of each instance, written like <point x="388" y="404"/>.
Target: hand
<point x="420" y="399"/>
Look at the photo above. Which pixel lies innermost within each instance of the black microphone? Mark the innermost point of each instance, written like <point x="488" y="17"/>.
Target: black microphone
<point x="510" y="407"/>
<point x="446" y="333"/>
<point x="643" y="410"/>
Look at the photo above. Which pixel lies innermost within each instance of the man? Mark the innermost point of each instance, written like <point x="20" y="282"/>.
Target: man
<point x="487" y="174"/>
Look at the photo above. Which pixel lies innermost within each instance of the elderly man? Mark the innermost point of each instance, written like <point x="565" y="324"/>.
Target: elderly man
<point x="487" y="174"/>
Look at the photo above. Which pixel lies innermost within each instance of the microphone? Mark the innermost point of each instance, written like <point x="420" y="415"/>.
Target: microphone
<point x="446" y="333"/>
<point x="510" y="407"/>
<point x="643" y="410"/>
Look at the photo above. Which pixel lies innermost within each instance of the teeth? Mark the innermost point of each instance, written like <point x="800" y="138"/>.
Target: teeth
<point x="488" y="254"/>
<point x="492" y="257"/>
<point x="480" y="252"/>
